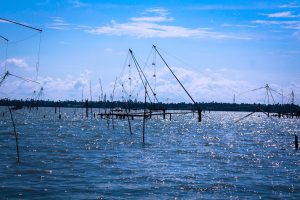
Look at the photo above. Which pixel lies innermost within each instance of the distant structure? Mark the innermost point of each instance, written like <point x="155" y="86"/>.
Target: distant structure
<point x="234" y="98"/>
<point x="292" y="98"/>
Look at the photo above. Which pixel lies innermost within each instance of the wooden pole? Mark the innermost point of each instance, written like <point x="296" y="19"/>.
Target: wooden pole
<point x="91" y="100"/>
<point x="164" y="113"/>
<point x="14" y="22"/>
<point x="199" y="115"/>
<point x="16" y="134"/>
<point x="86" y="108"/>
<point x="129" y="124"/>
<point x="59" y="115"/>
<point x="144" y="118"/>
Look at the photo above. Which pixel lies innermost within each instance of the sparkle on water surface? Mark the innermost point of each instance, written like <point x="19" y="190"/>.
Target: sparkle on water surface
<point x="75" y="158"/>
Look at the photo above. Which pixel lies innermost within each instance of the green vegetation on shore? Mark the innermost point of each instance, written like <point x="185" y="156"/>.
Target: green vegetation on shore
<point x="212" y="106"/>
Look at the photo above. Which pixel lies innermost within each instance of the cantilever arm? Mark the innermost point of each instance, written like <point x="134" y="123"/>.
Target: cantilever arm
<point x="14" y="22"/>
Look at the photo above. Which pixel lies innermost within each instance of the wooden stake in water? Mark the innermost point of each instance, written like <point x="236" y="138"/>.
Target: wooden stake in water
<point x="16" y="134"/>
<point x="129" y="124"/>
<point x="144" y="118"/>
<point x="59" y="115"/>
<point x="82" y="103"/>
<point x="91" y="99"/>
<point x="199" y="115"/>
<point x="86" y="108"/>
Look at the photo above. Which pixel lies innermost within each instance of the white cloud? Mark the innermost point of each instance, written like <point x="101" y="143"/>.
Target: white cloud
<point x="290" y="5"/>
<point x="152" y="19"/>
<point x="151" y="27"/>
<point x="16" y="62"/>
<point x="286" y="14"/>
<point x="59" y="23"/>
<point x="159" y="15"/>
<point x="239" y="25"/>
<point x="280" y="14"/>
<point x="272" y="22"/>
<point x="78" y="4"/>
<point x="292" y="25"/>
<point x="204" y="86"/>
<point x="69" y="87"/>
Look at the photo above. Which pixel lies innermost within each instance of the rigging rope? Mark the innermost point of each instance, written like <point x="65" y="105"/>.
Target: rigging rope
<point x="6" y="52"/>
<point x="38" y="56"/>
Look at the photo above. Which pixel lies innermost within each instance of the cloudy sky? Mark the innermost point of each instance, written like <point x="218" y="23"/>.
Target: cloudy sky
<point x="217" y="48"/>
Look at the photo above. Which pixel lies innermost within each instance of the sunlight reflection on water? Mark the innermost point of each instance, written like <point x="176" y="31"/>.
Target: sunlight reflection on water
<point x="77" y="158"/>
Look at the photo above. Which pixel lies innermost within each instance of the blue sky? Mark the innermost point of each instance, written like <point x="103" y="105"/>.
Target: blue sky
<point x="217" y="48"/>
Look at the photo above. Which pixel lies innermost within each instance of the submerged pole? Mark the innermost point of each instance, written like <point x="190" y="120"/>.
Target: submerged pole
<point x="86" y="108"/>
<point x="16" y="134"/>
<point x="144" y="118"/>
<point x="59" y="115"/>
<point x="199" y="115"/>
<point x="129" y="124"/>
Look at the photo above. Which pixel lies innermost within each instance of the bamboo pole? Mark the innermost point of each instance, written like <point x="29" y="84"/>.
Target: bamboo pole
<point x="16" y="134"/>
<point x="144" y="118"/>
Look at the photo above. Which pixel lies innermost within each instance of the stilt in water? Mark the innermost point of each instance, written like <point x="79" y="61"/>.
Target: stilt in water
<point x="129" y="124"/>
<point x="296" y="142"/>
<point x="164" y="113"/>
<point x="144" y="118"/>
<point x="199" y="115"/>
<point x="59" y="115"/>
<point x="16" y="134"/>
<point x="86" y="108"/>
<point x="55" y="110"/>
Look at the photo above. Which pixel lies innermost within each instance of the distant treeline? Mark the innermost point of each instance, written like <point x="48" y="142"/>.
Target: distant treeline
<point x="212" y="106"/>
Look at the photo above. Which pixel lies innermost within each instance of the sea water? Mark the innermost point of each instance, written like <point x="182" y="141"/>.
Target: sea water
<point x="91" y="158"/>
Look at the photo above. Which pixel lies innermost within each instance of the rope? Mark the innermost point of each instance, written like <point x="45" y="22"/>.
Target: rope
<point x="6" y="50"/>
<point x="38" y="55"/>
<point x="24" y="39"/>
